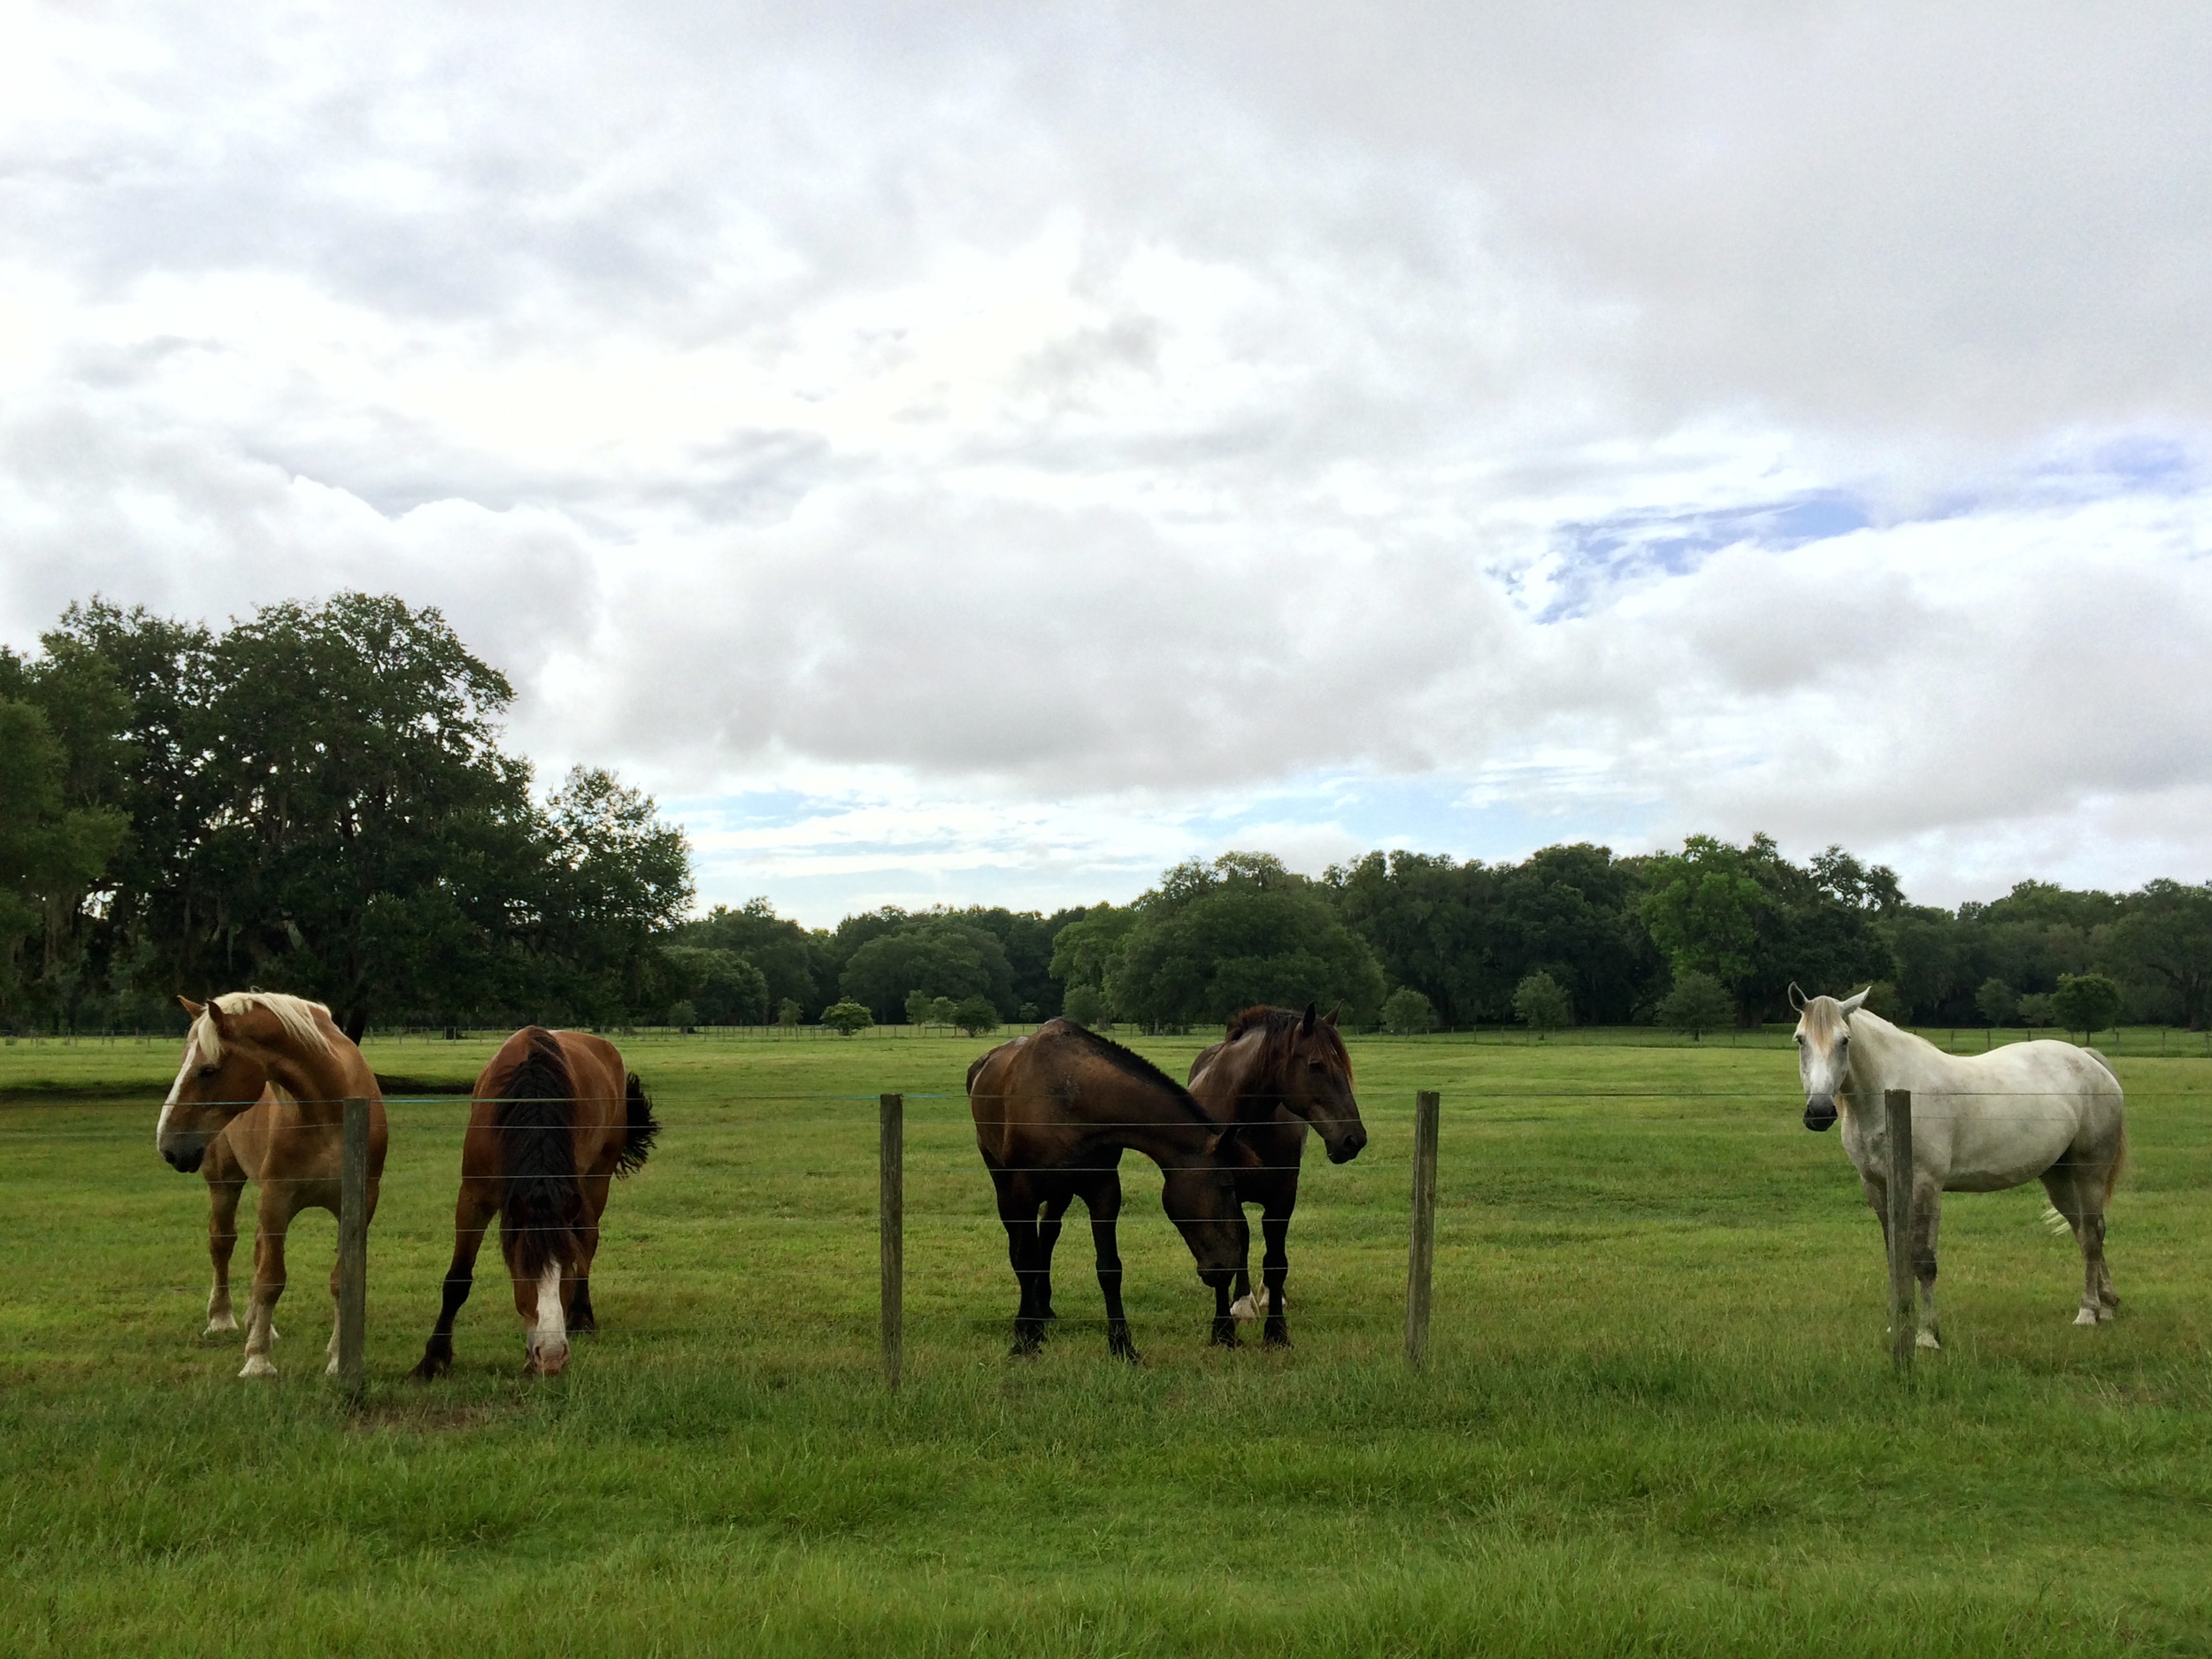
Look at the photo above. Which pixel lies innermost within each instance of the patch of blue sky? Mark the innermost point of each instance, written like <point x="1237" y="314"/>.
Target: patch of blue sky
<point x="1595" y="556"/>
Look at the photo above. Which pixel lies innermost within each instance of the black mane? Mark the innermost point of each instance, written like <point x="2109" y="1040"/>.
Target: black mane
<point x="1132" y="1065"/>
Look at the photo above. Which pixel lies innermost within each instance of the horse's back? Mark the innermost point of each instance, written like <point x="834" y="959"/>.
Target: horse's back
<point x="2004" y="1116"/>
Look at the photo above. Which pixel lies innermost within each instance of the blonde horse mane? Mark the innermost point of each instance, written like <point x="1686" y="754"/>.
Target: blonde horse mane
<point x="295" y="1014"/>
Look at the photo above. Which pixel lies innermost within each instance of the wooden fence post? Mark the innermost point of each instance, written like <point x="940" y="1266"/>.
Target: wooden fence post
<point x="891" y="1226"/>
<point x="353" y="1252"/>
<point x="1421" y="1255"/>
<point x="1903" y="1322"/>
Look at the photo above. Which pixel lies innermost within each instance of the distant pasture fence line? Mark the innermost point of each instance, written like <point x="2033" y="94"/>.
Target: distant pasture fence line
<point x="2131" y="1042"/>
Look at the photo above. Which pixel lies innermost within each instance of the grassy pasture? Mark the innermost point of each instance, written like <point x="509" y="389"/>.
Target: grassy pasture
<point x="1659" y="1417"/>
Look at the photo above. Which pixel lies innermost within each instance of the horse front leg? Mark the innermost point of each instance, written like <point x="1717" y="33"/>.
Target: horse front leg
<point x="1103" y="1199"/>
<point x="1225" y="1321"/>
<point x="272" y="1219"/>
<point x="1274" y="1270"/>
<point x="1049" y="1220"/>
<point x="224" y="1191"/>
<point x="580" y="1317"/>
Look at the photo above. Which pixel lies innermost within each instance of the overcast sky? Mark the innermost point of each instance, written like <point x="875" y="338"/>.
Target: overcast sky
<point x="958" y="452"/>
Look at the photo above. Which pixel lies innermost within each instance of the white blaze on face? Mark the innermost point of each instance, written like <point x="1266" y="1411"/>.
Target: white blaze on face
<point x="191" y="1059"/>
<point x="549" y="1337"/>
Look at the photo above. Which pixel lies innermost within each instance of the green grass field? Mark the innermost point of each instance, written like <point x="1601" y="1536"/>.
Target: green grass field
<point x="1659" y="1419"/>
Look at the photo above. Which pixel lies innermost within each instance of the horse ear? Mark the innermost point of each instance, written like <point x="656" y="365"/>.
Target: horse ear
<point x="195" y="1009"/>
<point x="1850" y="1004"/>
<point x="1329" y="1018"/>
<point x="1224" y="1146"/>
<point x="1797" y="997"/>
<point x="215" y="1015"/>
<point x="1306" y="1028"/>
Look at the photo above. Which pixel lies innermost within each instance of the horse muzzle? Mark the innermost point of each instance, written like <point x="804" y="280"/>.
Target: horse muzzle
<point x="184" y="1159"/>
<point x="1820" y="1112"/>
<point x="1351" y="1146"/>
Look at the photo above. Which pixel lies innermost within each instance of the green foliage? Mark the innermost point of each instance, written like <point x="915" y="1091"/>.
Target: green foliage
<point x="975" y="1015"/>
<point x="317" y="801"/>
<point x="1086" y="949"/>
<point x="936" y="954"/>
<point x="725" y="988"/>
<point x="1756" y="922"/>
<point x="920" y="1006"/>
<point x="683" y="1015"/>
<point x="1541" y="1002"/>
<point x="2036" y="1011"/>
<point x="1698" y="1002"/>
<point x="788" y="1013"/>
<point x="2086" y="1002"/>
<point x="1882" y="998"/>
<point x="1998" y="1002"/>
<point x="793" y="963"/>
<point x="1407" y="1013"/>
<point x="2165" y="937"/>
<point x="1464" y="935"/>
<point x="846" y="1017"/>
<point x="1086" y="1005"/>
<point x="1213" y="939"/>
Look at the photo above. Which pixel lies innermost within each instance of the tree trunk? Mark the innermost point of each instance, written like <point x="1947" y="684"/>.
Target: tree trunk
<point x="355" y="1024"/>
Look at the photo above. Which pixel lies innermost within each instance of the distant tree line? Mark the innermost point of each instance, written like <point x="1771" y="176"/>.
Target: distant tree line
<point x="1702" y="939"/>
<point x="316" y="799"/>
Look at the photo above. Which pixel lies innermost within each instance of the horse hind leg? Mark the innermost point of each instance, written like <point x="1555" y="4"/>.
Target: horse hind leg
<point x="1927" y="1220"/>
<point x="2079" y="1200"/>
<point x="1103" y="1201"/>
<point x="1018" y="1213"/>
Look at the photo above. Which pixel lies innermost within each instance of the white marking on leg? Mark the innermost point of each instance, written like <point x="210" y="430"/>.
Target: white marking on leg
<point x="1245" y="1307"/>
<point x="220" y="1316"/>
<point x="549" y="1337"/>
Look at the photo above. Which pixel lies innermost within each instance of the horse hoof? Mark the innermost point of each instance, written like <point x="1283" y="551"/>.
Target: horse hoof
<point x="2087" y="1316"/>
<point x="228" y="1325"/>
<point x="1245" y="1307"/>
<point x="1926" y="1339"/>
<point x="1277" y="1335"/>
<point x="258" y="1365"/>
<point x="1226" y="1334"/>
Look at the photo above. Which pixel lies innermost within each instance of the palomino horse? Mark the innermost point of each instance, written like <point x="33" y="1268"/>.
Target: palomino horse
<point x="1054" y="1111"/>
<point x="1274" y="1074"/>
<point x="1980" y="1123"/>
<point x="555" y="1119"/>
<point x="260" y="1097"/>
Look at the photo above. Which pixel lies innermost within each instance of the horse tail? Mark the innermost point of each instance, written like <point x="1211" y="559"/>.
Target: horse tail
<point x="637" y="1138"/>
<point x="542" y="1210"/>
<point x="2119" y="1163"/>
<point x="2098" y="1056"/>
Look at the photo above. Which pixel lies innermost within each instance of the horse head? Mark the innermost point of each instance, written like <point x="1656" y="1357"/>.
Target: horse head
<point x="1302" y="1066"/>
<point x="234" y="1044"/>
<point x="1201" y="1199"/>
<point x="1824" y="1051"/>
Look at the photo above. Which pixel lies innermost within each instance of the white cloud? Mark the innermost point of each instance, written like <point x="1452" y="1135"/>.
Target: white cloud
<point x="1079" y="436"/>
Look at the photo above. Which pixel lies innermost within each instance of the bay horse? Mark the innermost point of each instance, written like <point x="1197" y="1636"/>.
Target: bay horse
<point x="260" y="1097"/>
<point x="1054" y="1111"/>
<point x="555" y="1119"/>
<point x="1980" y="1123"/>
<point x="1276" y="1072"/>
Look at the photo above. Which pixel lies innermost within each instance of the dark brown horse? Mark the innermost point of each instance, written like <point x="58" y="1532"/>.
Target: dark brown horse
<point x="555" y="1119"/>
<point x="260" y="1097"/>
<point x="1053" y="1112"/>
<point x="1274" y="1074"/>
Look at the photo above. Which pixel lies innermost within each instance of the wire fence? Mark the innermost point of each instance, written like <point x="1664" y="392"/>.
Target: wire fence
<point x="930" y="1161"/>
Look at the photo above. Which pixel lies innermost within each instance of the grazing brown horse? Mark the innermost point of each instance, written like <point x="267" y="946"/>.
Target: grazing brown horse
<point x="1275" y="1072"/>
<point x="260" y="1097"/>
<point x="1053" y="1112"/>
<point x="555" y="1119"/>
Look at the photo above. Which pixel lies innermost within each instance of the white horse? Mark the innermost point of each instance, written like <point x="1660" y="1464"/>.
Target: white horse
<point x="1980" y="1123"/>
